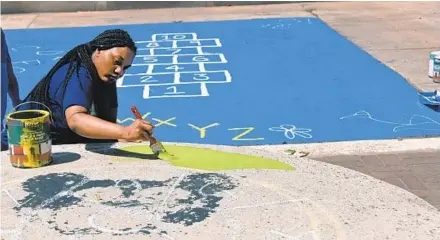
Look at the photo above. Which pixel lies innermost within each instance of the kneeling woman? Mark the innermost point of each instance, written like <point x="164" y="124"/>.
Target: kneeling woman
<point x="80" y="91"/>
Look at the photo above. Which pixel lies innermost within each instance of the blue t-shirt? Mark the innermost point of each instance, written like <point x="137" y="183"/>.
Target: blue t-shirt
<point x="78" y="92"/>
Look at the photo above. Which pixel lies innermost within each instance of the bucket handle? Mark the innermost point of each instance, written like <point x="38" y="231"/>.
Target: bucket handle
<point x="23" y="103"/>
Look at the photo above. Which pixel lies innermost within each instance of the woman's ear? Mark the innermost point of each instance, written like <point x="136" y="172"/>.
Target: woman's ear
<point x="96" y="54"/>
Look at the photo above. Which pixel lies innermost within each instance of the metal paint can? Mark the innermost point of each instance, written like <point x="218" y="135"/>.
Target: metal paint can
<point x="29" y="137"/>
<point x="434" y="66"/>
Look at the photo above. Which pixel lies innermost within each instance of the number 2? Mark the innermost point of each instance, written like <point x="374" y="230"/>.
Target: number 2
<point x="147" y="79"/>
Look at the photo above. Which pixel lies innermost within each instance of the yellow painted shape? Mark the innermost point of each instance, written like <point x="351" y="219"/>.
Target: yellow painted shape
<point x="208" y="159"/>
<point x="247" y="130"/>
<point x="203" y="129"/>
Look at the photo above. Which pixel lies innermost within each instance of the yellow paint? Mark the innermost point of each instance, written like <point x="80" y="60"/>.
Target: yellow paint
<point x="167" y="122"/>
<point x="131" y="119"/>
<point x="203" y="129"/>
<point x="208" y="159"/>
<point x="248" y="130"/>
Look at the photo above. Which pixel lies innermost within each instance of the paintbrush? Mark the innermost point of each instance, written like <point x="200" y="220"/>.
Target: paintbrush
<point x="155" y="145"/>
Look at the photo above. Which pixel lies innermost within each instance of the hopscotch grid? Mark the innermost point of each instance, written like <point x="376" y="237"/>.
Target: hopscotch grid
<point x="150" y="69"/>
<point x="154" y="36"/>
<point x="217" y="40"/>
<point x="202" y="74"/>
<point x="148" y="48"/>
<point x="177" y="78"/>
<point x="202" y="67"/>
<point x="170" y="73"/>
<point x="147" y="64"/>
<point x="221" y="56"/>
<point x="173" y="83"/>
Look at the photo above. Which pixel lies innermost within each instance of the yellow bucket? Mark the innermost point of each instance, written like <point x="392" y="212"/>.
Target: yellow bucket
<point x="30" y="142"/>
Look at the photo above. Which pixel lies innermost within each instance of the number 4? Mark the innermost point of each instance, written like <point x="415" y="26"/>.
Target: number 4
<point x="174" y="67"/>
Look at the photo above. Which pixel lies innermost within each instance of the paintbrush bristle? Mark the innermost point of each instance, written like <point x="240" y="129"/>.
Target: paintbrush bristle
<point x="157" y="148"/>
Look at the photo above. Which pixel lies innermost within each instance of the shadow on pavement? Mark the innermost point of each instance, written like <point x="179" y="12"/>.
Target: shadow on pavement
<point x="64" y="157"/>
<point x="108" y="150"/>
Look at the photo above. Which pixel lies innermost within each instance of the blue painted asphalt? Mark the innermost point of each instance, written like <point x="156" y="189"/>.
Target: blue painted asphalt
<point x="267" y="81"/>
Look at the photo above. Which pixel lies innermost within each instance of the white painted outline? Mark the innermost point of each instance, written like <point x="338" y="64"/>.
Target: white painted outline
<point x="165" y="64"/>
<point x="401" y="126"/>
<point x="216" y="40"/>
<point x="222" y="58"/>
<point x="202" y="67"/>
<point x="150" y="69"/>
<point x="290" y="131"/>
<point x="177" y="77"/>
<point x="154" y="36"/>
<point x="203" y="92"/>
<point x="183" y="54"/>
<point x="166" y="73"/>
<point x="175" y="61"/>
<point x="200" y="51"/>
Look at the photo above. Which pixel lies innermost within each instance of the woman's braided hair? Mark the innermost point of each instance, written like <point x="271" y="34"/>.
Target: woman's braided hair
<point x="82" y="55"/>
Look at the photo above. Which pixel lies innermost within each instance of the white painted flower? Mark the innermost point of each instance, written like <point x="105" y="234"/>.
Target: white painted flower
<point x="291" y="131"/>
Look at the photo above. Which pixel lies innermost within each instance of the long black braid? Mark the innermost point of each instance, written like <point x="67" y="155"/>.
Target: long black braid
<point x="82" y="54"/>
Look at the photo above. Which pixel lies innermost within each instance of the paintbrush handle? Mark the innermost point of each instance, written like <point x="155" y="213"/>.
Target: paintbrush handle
<point x="138" y="116"/>
<point x="136" y="112"/>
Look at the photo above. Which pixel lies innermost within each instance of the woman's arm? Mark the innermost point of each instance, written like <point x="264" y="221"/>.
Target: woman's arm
<point x="89" y="126"/>
<point x="92" y="127"/>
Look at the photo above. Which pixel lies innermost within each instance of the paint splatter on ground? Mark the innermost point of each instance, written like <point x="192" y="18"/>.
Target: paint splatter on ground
<point x="207" y="159"/>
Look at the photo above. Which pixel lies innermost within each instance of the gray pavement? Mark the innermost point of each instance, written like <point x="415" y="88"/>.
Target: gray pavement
<point x="95" y="196"/>
<point x="90" y="195"/>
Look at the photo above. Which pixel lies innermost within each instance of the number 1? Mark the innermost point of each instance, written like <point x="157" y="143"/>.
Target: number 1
<point x="174" y="90"/>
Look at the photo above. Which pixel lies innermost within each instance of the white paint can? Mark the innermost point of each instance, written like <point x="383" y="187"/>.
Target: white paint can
<point x="434" y="66"/>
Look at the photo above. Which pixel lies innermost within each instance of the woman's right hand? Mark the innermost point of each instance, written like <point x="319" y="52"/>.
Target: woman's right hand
<point x="137" y="131"/>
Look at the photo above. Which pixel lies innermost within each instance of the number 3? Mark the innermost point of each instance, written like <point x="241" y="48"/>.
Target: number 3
<point x="201" y="77"/>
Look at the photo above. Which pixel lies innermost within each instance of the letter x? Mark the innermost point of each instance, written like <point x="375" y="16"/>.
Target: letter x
<point x="166" y="122"/>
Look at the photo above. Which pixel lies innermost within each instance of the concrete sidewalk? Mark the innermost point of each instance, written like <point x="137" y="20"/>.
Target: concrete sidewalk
<point x="86" y="194"/>
<point x="324" y="201"/>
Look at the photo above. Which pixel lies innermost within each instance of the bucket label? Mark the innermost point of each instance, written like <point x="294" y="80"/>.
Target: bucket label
<point x="18" y="135"/>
